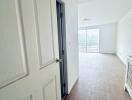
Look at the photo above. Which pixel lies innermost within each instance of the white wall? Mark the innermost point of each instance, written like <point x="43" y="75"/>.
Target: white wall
<point x="124" y="37"/>
<point x="71" y="9"/>
<point x="107" y="37"/>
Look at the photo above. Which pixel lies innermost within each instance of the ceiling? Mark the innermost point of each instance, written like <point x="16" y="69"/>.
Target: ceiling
<point x="84" y="1"/>
<point x="96" y="12"/>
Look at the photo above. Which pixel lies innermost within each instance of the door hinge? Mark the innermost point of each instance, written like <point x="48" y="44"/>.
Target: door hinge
<point x="62" y="52"/>
<point x="64" y="85"/>
<point x="61" y="15"/>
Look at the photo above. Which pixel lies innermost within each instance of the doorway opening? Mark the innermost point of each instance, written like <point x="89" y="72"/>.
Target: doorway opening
<point x="62" y="47"/>
<point x="88" y="40"/>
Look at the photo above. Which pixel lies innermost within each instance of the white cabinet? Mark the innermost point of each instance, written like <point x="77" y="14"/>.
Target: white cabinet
<point x="128" y="80"/>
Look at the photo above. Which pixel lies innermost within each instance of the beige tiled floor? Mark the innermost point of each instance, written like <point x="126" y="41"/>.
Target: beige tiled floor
<point x="101" y="78"/>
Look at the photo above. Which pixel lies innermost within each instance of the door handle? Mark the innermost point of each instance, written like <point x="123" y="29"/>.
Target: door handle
<point x="59" y="60"/>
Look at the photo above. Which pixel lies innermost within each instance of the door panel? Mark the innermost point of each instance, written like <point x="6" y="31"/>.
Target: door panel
<point x="30" y="97"/>
<point x="49" y="91"/>
<point x="12" y="49"/>
<point x="45" y="32"/>
<point x="28" y="48"/>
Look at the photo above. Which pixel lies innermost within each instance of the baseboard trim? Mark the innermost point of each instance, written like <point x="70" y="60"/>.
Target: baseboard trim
<point x="74" y="83"/>
<point x="121" y="59"/>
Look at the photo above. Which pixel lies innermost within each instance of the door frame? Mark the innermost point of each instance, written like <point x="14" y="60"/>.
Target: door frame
<point x="64" y="44"/>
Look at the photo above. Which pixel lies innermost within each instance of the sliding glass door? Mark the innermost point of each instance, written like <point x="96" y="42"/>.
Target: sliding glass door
<point x="89" y="40"/>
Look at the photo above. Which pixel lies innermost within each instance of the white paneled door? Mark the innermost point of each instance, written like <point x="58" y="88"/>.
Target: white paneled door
<point x="28" y="50"/>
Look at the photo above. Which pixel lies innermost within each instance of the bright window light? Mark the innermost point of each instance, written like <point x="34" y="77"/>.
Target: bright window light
<point x="89" y="40"/>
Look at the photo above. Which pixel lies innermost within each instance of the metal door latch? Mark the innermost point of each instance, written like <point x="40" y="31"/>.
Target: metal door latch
<point x="59" y="60"/>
